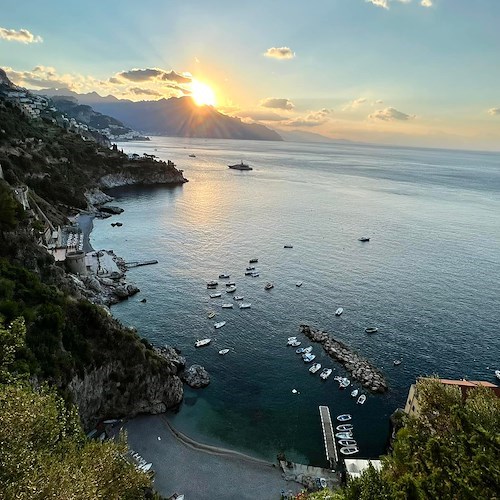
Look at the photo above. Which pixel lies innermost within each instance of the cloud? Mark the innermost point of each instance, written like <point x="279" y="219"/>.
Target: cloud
<point x="42" y="76"/>
<point x="22" y="36"/>
<point x="390" y="114"/>
<point x="280" y="53"/>
<point x="272" y="102"/>
<point x="312" y="119"/>
<point x="150" y="74"/>
<point x="266" y="116"/>
<point x="379" y="101"/>
<point x="494" y="111"/>
<point x="354" y="104"/>
<point x="385" y="4"/>
<point x="139" y="91"/>
<point x="380" y="3"/>
<point x="426" y="3"/>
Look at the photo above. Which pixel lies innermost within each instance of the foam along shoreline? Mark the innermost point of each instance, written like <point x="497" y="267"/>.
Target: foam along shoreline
<point x="85" y="222"/>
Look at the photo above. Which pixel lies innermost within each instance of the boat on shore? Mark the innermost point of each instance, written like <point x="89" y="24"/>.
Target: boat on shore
<point x="223" y="351"/>
<point x="371" y="329"/>
<point x="215" y="295"/>
<point x="202" y="342"/>
<point x="314" y="368"/>
<point x="220" y="324"/>
<point x="240" y="166"/>
<point x="339" y="311"/>
<point x="361" y="400"/>
<point x="344" y="417"/>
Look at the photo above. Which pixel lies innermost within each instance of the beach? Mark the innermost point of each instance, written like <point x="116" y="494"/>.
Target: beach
<point x="202" y="472"/>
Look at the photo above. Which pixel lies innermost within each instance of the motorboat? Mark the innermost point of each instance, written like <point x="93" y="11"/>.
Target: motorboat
<point x="223" y="276"/>
<point x="223" y="351"/>
<point x="344" y="417"/>
<point x="361" y="400"/>
<point x="344" y="435"/>
<point x="371" y="329"/>
<point x="200" y="343"/>
<point x="240" y="166"/>
<point x="215" y="295"/>
<point x="230" y="283"/>
<point x="238" y="297"/>
<point x="230" y="289"/>
<point x="146" y="467"/>
<point x="338" y="378"/>
<point x="308" y="357"/>
<point x="292" y="338"/>
<point x="347" y="442"/>
<point x="255" y="274"/>
<point x="220" y="324"/>
<point x="245" y="305"/>
<point x="325" y="373"/>
<point x="354" y="393"/>
<point x="345" y="382"/>
<point x="211" y="315"/>
<point x="300" y="350"/>
<point x="287" y="246"/>
<point x="344" y="427"/>
<point x="268" y="286"/>
<point x="338" y="312"/>
<point x="294" y="343"/>
<point x="364" y="238"/>
<point x="314" y="368"/>
<point x="212" y="284"/>
<point x="497" y="374"/>
<point x="299" y="283"/>
<point x="253" y="261"/>
<point x="307" y="350"/>
<point x="397" y="362"/>
<point x="250" y="268"/>
<point x="349" y="450"/>
<point x="227" y="306"/>
<point x="249" y="273"/>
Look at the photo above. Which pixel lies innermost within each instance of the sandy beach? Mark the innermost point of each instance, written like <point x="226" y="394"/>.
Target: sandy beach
<point x="199" y="471"/>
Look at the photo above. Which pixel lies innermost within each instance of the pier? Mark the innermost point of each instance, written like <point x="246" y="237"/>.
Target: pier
<point x="137" y="263"/>
<point x="329" y="437"/>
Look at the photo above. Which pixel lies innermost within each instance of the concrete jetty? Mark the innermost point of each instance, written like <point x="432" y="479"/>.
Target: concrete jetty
<point x="359" y="368"/>
<point x="329" y="437"/>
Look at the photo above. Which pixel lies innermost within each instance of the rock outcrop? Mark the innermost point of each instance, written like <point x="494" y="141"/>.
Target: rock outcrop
<point x="359" y="368"/>
<point x="196" y="376"/>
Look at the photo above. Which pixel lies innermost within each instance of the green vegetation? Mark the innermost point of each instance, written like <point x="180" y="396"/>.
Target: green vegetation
<point x="44" y="452"/>
<point x="452" y="451"/>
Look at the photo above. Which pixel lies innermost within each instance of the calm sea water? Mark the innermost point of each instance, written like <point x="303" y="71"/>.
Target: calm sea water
<point x="428" y="278"/>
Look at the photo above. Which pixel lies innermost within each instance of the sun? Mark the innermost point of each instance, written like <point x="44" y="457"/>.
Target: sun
<point x="202" y="94"/>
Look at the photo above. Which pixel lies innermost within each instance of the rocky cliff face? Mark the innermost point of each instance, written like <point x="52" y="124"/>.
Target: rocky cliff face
<point x="115" y="390"/>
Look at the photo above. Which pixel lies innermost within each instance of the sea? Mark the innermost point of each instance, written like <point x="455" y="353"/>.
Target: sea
<point x="428" y="279"/>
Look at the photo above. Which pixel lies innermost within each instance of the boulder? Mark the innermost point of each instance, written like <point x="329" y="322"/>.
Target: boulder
<point x="196" y="376"/>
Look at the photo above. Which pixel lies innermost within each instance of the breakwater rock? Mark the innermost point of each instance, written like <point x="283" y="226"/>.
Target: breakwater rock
<point x="196" y="376"/>
<point x="359" y="368"/>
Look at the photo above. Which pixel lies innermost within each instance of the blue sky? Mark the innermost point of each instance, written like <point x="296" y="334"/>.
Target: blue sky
<point x="406" y="74"/>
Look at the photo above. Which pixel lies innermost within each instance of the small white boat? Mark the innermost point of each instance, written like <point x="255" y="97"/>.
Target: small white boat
<point x="300" y="350"/>
<point x="347" y="442"/>
<point x="307" y="357"/>
<point x="220" y="324"/>
<point x="227" y="306"/>
<point x="345" y="382"/>
<point x="215" y="295"/>
<point x="325" y="373"/>
<point x="344" y="417"/>
<point x="344" y="435"/>
<point x="238" y="297"/>
<point x="146" y="467"/>
<point x="397" y="362"/>
<point x="299" y="283"/>
<point x="349" y="450"/>
<point x="231" y="289"/>
<point x="268" y="286"/>
<point x="255" y="274"/>
<point x="200" y="343"/>
<point x="354" y="393"/>
<point x="245" y="305"/>
<point x="211" y="315"/>
<point x="292" y="338"/>
<point x="307" y="350"/>
<point x="250" y="268"/>
<point x="344" y="427"/>
<point x="294" y="343"/>
<point x="497" y="374"/>
<point x="223" y="276"/>
<point x="371" y="329"/>
<point x="230" y="283"/>
<point x="339" y="311"/>
<point x="361" y="400"/>
<point x="223" y="351"/>
<point x="212" y="284"/>
<point x="314" y="368"/>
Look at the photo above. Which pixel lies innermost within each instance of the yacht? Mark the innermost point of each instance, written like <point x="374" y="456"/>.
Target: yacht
<point x="230" y="289"/>
<point x="325" y="373"/>
<point x="344" y="417"/>
<point x="240" y="166"/>
<point x="223" y="351"/>
<point x="314" y="368"/>
<point x="371" y="329"/>
<point x="349" y="450"/>
<point x="354" y="393"/>
<point x="307" y="357"/>
<point x="238" y="297"/>
<point x="339" y="311"/>
<point x="212" y="284"/>
<point x="245" y="305"/>
<point x="220" y="324"/>
<point x="200" y="343"/>
<point x="211" y="315"/>
<point x="215" y="295"/>
<point x="223" y="276"/>
<point x="344" y="427"/>
<point x="227" y="306"/>
<point x="361" y="400"/>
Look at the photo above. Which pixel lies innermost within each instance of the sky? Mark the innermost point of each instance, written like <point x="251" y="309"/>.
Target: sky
<point x="404" y="72"/>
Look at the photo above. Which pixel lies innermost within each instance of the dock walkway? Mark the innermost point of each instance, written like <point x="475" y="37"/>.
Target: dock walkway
<point x="329" y="437"/>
